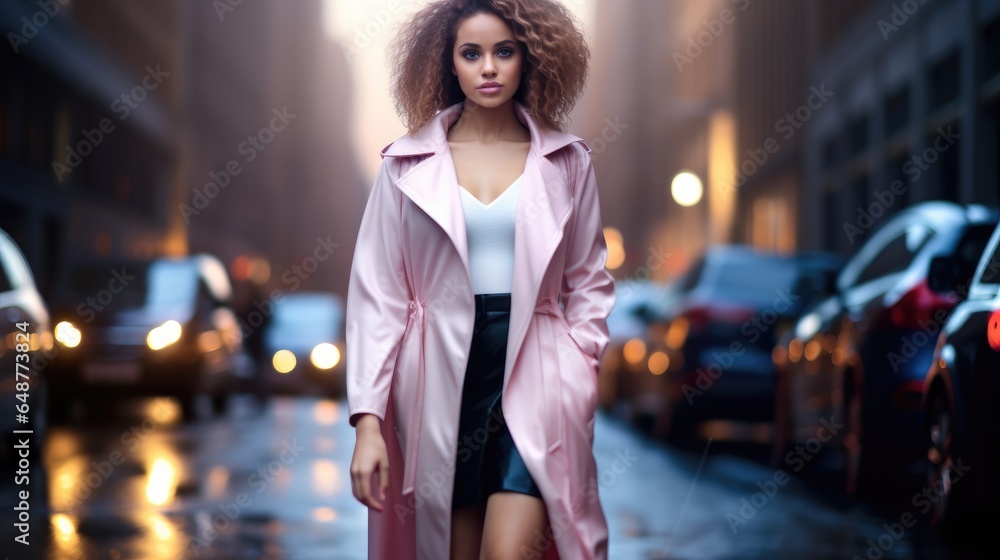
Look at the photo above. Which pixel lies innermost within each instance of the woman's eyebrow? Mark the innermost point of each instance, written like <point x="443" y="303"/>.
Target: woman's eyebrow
<point x="476" y="45"/>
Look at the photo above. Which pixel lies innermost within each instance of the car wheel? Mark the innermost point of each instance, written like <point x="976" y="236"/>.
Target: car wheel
<point x="681" y="429"/>
<point x="853" y="438"/>
<point x="220" y="404"/>
<point x="189" y="409"/>
<point x="939" y="435"/>
<point x="782" y="420"/>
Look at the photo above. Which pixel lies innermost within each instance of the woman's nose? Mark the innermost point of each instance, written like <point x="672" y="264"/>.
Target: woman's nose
<point x="489" y="69"/>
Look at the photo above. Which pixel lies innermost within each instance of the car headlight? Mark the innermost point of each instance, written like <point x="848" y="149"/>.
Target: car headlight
<point x="283" y="361"/>
<point x="68" y="335"/>
<point x="325" y="356"/>
<point x="164" y="335"/>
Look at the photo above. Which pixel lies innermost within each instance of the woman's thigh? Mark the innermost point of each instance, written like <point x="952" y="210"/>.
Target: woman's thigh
<point x="467" y="532"/>
<point x="516" y="527"/>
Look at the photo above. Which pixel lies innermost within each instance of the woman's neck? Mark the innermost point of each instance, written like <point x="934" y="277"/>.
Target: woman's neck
<point x="479" y="124"/>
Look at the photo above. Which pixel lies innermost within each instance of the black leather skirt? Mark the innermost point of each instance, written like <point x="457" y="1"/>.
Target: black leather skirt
<point x="487" y="460"/>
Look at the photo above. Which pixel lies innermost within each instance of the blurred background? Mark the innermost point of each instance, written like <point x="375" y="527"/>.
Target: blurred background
<point x="799" y="198"/>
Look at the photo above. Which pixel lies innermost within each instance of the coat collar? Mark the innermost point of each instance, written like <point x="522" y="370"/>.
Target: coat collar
<point x="433" y="136"/>
<point x="544" y="206"/>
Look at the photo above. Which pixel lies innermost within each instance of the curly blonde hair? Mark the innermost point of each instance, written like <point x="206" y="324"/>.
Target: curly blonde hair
<point x="555" y="62"/>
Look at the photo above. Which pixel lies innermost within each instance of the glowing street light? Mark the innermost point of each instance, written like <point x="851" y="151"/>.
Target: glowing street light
<point x="686" y="188"/>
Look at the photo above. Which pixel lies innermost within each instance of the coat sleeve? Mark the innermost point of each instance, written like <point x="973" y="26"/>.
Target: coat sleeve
<point x="377" y="300"/>
<point x="588" y="290"/>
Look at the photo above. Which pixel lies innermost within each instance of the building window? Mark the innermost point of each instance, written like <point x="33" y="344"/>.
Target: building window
<point x="861" y="191"/>
<point x="945" y="80"/>
<point x="896" y="194"/>
<point x="897" y="110"/>
<point x="943" y="163"/>
<point x="832" y="228"/>
<point x="771" y="228"/>
<point x="831" y="155"/>
<point x="990" y="47"/>
<point x="857" y="135"/>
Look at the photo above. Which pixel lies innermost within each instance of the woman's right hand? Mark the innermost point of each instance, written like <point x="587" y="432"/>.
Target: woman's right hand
<point x="369" y="454"/>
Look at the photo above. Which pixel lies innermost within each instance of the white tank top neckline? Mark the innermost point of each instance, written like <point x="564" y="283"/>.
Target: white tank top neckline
<point x="490" y="235"/>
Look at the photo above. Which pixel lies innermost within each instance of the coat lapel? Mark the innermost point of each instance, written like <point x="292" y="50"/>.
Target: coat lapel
<point x="543" y="207"/>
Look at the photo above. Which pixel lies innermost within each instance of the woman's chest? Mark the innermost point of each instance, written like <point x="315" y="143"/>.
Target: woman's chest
<point x="486" y="170"/>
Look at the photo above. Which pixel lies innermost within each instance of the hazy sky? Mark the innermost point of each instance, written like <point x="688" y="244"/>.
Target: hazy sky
<point x="364" y="29"/>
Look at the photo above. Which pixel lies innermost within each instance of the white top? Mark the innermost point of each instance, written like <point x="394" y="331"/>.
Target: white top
<point x="490" y="232"/>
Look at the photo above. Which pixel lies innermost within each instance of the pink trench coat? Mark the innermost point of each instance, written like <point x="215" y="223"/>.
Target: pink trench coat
<point x="410" y="313"/>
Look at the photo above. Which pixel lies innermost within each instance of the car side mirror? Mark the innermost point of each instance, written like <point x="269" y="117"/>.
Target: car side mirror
<point x="945" y="274"/>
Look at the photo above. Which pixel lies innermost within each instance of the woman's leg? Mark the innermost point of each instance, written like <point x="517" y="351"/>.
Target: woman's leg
<point x="516" y="527"/>
<point x="467" y="532"/>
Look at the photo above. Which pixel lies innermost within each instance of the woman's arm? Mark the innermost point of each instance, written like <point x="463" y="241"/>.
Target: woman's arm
<point x="377" y="302"/>
<point x="588" y="290"/>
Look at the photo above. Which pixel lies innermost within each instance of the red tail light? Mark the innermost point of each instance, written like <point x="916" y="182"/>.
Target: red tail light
<point x="918" y="307"/>
<point x="699" y="317"/>
<point x="993" y="330"/>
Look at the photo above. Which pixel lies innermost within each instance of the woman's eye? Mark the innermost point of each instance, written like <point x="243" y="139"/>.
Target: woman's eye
<point x="505" y="52"/>
<point x="470" y="55"/>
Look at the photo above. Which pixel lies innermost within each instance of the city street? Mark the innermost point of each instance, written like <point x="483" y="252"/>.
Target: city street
<point x="142" y="485"/>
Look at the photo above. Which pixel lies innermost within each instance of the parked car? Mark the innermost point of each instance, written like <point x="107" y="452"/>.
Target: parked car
<point x="157" y="327"/>
<point x="625" y="369"/>
<point x="960" y="436"/>
<point x="24" y="326"/>
<point x="857" y="361"/>
<point x="305" y="339"/>
<point x="727" y="313"/>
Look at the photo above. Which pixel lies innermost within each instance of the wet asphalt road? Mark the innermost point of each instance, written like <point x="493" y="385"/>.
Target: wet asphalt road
<point x="275" y="485"/>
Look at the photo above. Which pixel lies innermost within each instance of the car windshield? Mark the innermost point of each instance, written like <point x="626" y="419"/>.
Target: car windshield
<point x="751" y="280"/>
<point x="160" y="284"/>
<point x="172" y="283"/>
<point x="306" y="313"/>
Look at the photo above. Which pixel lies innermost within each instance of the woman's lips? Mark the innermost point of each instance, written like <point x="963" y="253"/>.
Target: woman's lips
<point x="490" y="88"/>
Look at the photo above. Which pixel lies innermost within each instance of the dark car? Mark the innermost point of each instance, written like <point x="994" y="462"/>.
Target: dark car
<point x="24" y="326"/>
<point x="305" y="341"/>
<point x="961" y="439"/>
<point x="158" y="327"/>
<point x="853" y="373"/>
<point x="726" y="315"/>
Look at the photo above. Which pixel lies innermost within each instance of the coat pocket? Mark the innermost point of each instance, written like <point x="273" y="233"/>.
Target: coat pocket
<point x="579" y="378"/>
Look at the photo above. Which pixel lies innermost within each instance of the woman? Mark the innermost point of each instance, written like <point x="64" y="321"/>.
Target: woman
<point x="478" y="296"/>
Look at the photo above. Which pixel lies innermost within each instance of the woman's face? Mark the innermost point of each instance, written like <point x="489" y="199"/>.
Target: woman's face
<point x="487" y="60"/>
